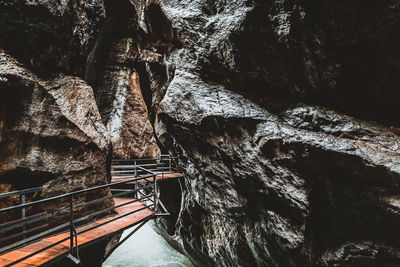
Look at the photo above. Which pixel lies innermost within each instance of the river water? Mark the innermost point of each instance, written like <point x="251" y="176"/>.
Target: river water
<point x="146" y="248"/>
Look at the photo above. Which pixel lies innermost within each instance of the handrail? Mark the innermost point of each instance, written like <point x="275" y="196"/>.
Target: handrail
<point x="145" y="159"/>
<point x="67" y="238"/>
<point x="20" y="192"/>
<point x="41" y="216"/>
<point x="70" y="194"/>
<point x="143" y="165"/>
<point x="162" y="164"/>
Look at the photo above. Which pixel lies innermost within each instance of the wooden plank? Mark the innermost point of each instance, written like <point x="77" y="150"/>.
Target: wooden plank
<point x="4" y="261"/>
<point x="15" y="254"/>
<point x="55" y="238"/>
<point x="35" y="229"/>
<point x="43" y="257"/>
<point x="37" y="246"/>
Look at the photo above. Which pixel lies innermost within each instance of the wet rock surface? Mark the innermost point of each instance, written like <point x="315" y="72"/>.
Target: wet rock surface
<point x="282" y="114"/>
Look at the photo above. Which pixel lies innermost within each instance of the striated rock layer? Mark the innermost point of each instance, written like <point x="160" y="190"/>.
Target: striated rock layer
<point x="122" y="104"/>
<point x="114" y="69"/>
<point x="284" y="117"/>
<point x="51" y="132"/>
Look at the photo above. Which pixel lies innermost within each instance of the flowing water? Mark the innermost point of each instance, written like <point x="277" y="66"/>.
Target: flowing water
<point x="146" y="248"/>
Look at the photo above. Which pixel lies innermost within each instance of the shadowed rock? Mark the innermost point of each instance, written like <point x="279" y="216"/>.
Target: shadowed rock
<point x="51" y="133"/>
<point x="49" y="36"/>
<point x="267" y="109"/>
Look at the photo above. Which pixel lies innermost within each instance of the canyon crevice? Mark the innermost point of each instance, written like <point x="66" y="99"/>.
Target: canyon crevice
<point x="283" y="115"/>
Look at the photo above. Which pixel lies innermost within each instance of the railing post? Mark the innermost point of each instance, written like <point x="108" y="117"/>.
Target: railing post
<point x="155" y="192"/>
<point x="162" y="168"/>
<point x="23" y="213"/>
<point x="71" y="225"/>
<point x="72" y="233"/>
<point x="170" y="164"/>
<point x="134" y="163"/>
<point x="136" y="193"/>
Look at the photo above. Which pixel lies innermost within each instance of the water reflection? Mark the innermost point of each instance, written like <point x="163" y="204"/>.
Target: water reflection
<point x="146" y="248"/>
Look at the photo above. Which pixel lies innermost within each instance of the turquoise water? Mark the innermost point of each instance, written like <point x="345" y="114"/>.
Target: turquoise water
<point x="146" y="248"/>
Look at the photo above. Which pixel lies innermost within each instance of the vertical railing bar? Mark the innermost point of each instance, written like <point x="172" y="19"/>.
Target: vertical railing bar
<point x="155" y="192"/>
<point x="135" y="185"/>
<point x="162" y="168"/>
<point x="71" y="221"/>
<point x="76" y="243"/>
<point x="23" y="213"/>
<point x="134" y="163"/>
<point x="135" y="193"/>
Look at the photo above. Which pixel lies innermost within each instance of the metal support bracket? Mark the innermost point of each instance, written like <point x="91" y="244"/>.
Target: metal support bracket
<point x="73" y="259"/>
<point x="73" y="235"/>
<point x="76" y="259"/>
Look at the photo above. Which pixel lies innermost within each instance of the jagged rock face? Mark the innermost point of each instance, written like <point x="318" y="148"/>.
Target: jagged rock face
<point x="50" y="36"/>
<point x="277" y="111"/>
<point x="115" y="67"/>
<point x="60" y="63"/>
<point x="122" y="105"/>
<point x="51" y="132"/>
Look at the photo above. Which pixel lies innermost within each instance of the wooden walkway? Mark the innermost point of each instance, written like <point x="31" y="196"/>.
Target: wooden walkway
<point x="50" y="249"/>
<point x="84" y="239"/>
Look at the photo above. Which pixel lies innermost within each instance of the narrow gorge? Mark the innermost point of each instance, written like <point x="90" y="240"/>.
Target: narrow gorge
<point x="282" y="115"/>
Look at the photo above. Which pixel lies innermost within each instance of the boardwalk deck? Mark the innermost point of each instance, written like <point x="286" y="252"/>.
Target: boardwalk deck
<point x="84" y="239"/>
<point x="134" y="180"/>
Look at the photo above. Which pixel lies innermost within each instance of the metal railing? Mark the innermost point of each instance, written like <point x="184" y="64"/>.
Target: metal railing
<point x="12" y="231"/>
<point x="125" y="168"/>
<point x="33" y="221"/>
<point x="122" y="168"/>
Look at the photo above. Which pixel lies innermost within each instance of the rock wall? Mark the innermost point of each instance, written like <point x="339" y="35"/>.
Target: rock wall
<point x="60" y="66"/>
<point x="283" y="116"/>
<point x="50" y="36"/>
<point x="69" y="92"/>
<point x="51" y="129"/>
<point x="122" y="104"/>
<point x="115" y="67"/>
